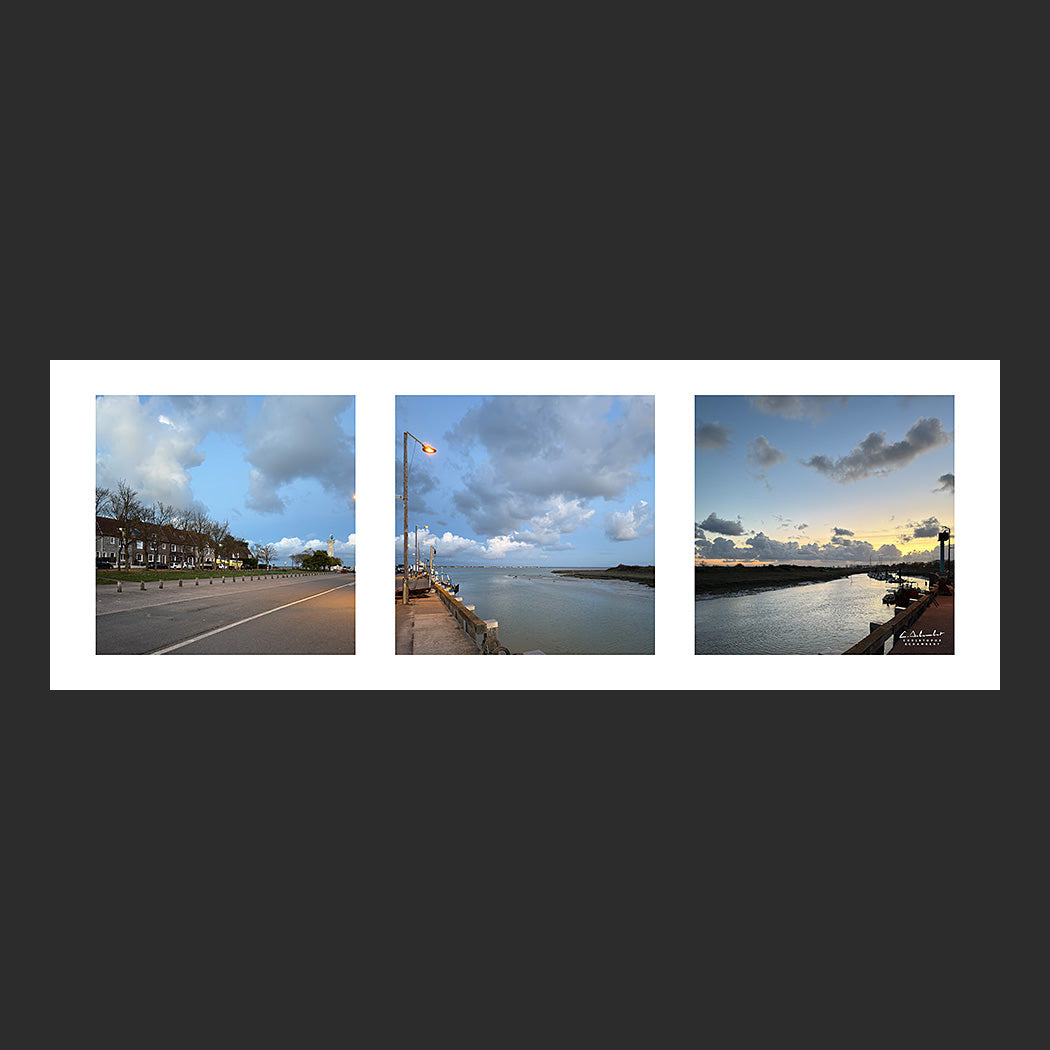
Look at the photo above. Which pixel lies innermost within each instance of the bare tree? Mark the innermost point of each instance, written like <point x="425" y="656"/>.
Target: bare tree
<point x="102" y="498"/>
<point x="196" y="522"/>
<point x="218" y="533"/>
<point x="154" y="521"/>
<point x="264" y="552"/>
<point x="126" y="509"/>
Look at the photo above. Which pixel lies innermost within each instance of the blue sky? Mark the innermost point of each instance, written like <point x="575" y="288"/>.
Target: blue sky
<point x="528" y="480"/>
<point x="280" y="469"/>
<point x="835" y="480"/>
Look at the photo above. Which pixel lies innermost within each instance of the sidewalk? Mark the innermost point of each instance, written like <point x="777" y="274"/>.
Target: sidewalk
<point x="424" y="627"/>
<point x="933" y="633"/>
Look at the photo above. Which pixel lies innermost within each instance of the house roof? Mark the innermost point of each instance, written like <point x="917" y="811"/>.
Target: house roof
<point x="164" y="533"/>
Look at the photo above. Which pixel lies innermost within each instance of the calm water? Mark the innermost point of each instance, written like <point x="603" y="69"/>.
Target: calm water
<point x="809" y="619"/>
<point x="537" y="609"/>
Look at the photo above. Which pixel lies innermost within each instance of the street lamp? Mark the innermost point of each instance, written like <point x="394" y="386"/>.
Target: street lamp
<point x="404" y="507"/>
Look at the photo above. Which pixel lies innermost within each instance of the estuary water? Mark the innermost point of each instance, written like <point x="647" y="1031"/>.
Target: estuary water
<point x="559" y="615"/>
<point x="808" y="619"/>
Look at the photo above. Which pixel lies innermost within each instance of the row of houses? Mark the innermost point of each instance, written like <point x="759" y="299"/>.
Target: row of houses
<point x="162" y="547"/>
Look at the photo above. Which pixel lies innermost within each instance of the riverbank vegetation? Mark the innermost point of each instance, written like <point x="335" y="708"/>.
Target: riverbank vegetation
<point x="645" y="574"/>
<point x="719" y="579"/>
<point x="716" y="579"/>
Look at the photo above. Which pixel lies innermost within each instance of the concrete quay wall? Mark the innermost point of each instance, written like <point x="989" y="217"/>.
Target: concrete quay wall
<point x="436" y="622"/>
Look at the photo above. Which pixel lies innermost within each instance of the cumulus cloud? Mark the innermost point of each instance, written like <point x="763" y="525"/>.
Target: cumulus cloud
<point x="762" y="455"/>
<point x="875" y="457"/>
<point x="449" y="547"/>
<point x="927" y="529"/>
<point x="295" y="438"/>
<point x="719" y="547"/>
<point x="630" y="524"/>
<point x="561" y="517"/>
<point x="713" y="523"/>
<point x="945" y="483"/>
<point x="761" y="547"/>
<point x="144" y="447"/>
<point x="285" y="547"/>
<point x="154" y="443"/>
<point x="533" y="465"/>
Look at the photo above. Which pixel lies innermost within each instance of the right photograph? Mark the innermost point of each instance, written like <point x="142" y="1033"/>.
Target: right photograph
<point x="824" y="525"/>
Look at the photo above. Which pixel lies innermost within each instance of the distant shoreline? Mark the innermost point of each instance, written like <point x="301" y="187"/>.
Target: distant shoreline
<point x="644" y="574"/>
<point x="726" y="579"/>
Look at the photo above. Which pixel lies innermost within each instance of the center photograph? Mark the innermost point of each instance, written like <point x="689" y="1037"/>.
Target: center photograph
<point x="524" y="525"/>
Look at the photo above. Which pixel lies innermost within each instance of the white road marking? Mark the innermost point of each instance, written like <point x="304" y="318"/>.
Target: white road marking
<point x="219" y="630"/>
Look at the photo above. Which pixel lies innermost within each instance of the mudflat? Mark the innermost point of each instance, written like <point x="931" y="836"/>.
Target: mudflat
<point x="645" y="574"/>
<point x="714" y="579"/>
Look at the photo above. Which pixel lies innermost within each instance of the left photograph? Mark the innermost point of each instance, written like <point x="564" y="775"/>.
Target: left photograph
<point x="225" y="525"/>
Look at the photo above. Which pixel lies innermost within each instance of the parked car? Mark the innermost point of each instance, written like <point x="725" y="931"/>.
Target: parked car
<point x="102" y="563"/>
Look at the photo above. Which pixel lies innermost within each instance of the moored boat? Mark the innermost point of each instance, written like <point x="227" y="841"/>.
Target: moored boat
<point x="901" y="595"/>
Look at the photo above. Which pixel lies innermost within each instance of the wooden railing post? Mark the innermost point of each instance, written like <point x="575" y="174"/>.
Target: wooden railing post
<point x="874" y="643"/>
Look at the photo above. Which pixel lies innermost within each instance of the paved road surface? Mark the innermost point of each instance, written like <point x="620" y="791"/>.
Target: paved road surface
<point x="303" y="615"/>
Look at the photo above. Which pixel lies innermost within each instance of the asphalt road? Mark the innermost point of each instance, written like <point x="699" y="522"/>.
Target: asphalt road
<point x="303" y="615"/>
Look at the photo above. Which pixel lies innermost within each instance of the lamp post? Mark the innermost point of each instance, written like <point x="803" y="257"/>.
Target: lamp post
<point x="417" y="541"/>
<point x="404" y="507"/>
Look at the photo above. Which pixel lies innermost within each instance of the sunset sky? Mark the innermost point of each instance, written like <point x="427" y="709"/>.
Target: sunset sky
<point x="825" y="479"/>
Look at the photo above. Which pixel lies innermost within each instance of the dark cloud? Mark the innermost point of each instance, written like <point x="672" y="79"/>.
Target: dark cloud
<point x="875" y="457"/>
<point x="721" y="525"/>
<point x="761" y="547"/>
<point x="712" y="437"/>
<point x="295" y="438"/>
<point x="789" y="406"/>
<point x="946" y="483"/>
<point x="922" y="530"/>
<point x="762" y="455"/>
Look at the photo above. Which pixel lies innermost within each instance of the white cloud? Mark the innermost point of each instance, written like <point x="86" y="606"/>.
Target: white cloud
<point x="547" y="457"/>
<point x="287" y="546"/>
<point x="630" y="524"/>
<point x="153" y="444"/>
<point x="136" y="444"/>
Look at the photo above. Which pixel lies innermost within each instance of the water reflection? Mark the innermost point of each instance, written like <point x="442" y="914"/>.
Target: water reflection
<point x="809" y="619"/>
<point x="561" y="614"/>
